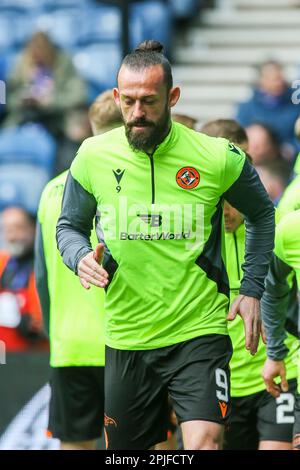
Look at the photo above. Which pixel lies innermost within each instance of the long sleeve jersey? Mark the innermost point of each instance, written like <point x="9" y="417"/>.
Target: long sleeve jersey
<point x="286" y="259"/>
<point x="160" y="218"/>
<point x="74" y="316"/>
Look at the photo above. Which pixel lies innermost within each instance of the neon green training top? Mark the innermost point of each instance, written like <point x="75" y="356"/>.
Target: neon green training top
<point x="246" y="369"/>
<point x="76" y="328"/>
<point x="287" y="242"/>
<point x="287" y="248"/>
<point x="290" y="200"/>
<point x="161" y="221"/>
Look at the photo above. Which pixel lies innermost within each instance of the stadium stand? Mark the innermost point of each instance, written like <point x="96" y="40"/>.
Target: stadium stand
<point x="185" y="9"/>
<point x="21" y="185"/>
<point x="76" y="24"/>
<point x="151" y="19"/>
<point x="216" y="63"/>
<point x="29" y="143"/>
<point x="101" y="23"/>
<point x="73" y="24"/>
<point x="98" y="65"/>
<point x="89" y="31"/>
<point x="26" y="164"/>
<point x="62" y="26"/>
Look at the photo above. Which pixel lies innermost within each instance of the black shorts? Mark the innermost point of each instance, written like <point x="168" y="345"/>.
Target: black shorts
<point x="261" y="417"/>
<point x="194" y="372"/>
<point x="77" y="403"/>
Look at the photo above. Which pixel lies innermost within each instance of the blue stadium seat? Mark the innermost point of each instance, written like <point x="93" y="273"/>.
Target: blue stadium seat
<point x="28" y="144"/>
<point x="98" y="64"/>
<point x="7" y="36"/>
<point x="50" y="5"/>
<point x="2" y="68"/>
<point x="184" y="9"/>
<point x="21" y="184"/>
<point x="32" y="6"/>
<point x="7" y="61"/>
<point x="150" y="20"/>
<point x="17" y="5"/>
<point x="10" y="193"/>
<point x="10" y="57"/>
<point x="15" y="29"/>
<point x="24" y="24"/>
<point x="62" y="26"/>
<point x="101" y="23"/>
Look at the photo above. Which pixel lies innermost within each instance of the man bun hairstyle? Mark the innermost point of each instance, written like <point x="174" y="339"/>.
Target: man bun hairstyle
<point x="148" y="54"/>
<point x="150" y="46"/>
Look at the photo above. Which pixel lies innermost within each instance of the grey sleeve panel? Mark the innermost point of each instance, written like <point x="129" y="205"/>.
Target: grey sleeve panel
<point x="75" y="224"/>
<point x="274" y="306"/>
<point x="249" y="196"/>
<point x="293" y="310"/>
<point x="41" y="277"/>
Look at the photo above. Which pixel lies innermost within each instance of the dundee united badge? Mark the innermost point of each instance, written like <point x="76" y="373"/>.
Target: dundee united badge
<point x="188" y="177"/>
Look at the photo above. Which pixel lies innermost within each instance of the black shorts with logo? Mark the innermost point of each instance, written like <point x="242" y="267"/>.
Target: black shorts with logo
<point x="77" y="403"/>
<point x="194" y="372"/>
<point x="261" y="417"/>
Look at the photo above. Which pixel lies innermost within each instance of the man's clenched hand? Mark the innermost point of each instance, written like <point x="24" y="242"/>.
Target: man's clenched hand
<point x="90" y="270"/>
<point x="271" y="370"/>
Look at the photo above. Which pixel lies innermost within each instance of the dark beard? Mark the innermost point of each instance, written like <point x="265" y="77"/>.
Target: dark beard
<point x="155" y="133"/>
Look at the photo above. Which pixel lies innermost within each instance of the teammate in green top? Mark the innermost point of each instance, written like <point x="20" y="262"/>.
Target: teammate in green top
<point x="74" y="317"/>
<point x="256" y="416"/>
<point x="158" y="188"/>
<point x="296" y="168"/>
<point x="290" y="200"/>
<point x="286" y="259"/>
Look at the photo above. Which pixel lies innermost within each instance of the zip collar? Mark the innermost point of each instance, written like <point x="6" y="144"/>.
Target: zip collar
<point x="169" y="142"/>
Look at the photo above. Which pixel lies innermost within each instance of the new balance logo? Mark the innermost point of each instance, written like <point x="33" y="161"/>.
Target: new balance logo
<point x="155" y="220"/>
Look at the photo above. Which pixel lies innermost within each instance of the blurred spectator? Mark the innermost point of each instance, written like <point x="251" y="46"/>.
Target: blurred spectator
<point x="77" y="129"/>
<point x="263" y="145"/>
<point x="233" y="131"/>
<point x="43" y="85"/>
<point x="187" y="121"/>
<point x="264" y="148"/>
<point x="20" y="313"/>
<point x="273" y="180"/>
<point x="271" y="104"/>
